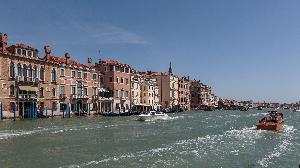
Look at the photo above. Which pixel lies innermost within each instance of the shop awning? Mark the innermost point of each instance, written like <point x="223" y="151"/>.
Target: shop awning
<point x="28" y="88"/>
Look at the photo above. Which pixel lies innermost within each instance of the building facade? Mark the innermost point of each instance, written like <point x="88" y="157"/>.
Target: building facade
<point x="117" y="78"/>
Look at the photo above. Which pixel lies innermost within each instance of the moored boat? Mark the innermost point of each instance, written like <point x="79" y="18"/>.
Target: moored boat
<point x="152" y="115"/>
<point x="272" y="121"/>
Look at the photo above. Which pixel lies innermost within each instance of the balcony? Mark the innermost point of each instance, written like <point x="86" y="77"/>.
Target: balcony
<point x="27" y="80"/>
<point x="27" y="96"/>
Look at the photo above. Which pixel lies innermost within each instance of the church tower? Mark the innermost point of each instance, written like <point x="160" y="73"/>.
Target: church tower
<point x="170" y="69"/>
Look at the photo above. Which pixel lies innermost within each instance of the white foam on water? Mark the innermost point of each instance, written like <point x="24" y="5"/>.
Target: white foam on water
<point x="196" y="147"/>
<point x="6" y="134"/>
<point x="287" y="137"/>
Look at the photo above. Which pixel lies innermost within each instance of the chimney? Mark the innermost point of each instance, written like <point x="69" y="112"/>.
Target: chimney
<point x="67" y="56"/>
<point x="90" y="61"/>
<point x="47" y="52"/>
<point x="3" y="41"/>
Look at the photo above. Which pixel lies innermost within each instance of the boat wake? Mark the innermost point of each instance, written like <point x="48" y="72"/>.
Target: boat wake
<point x="179" y="153"/>
<point x="284" y="145"/>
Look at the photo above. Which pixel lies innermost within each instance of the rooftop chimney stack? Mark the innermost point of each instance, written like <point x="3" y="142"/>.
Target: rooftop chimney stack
<point x="47" y="52"/>
<point x="67" y="56"/>
<point x="90" y="61"/>
<point x="3" y="42"/>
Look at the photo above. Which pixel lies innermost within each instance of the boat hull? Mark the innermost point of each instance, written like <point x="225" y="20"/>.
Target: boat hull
<point x="271" y="127"/>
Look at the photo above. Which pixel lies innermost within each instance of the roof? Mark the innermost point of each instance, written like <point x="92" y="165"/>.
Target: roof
<point x="114" y="62"/>
<point x="62" y="60"/>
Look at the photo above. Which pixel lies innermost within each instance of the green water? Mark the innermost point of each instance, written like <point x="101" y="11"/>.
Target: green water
<point x="189" y="139"/>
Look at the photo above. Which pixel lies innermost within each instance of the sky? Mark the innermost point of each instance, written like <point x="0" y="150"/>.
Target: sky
<point x="245" y="50"/>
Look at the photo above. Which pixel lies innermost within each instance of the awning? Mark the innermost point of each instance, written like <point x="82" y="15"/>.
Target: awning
<point x="28" y="88"/>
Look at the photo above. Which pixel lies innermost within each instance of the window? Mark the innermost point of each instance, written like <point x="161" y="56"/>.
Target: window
<point x="73" y="74"/>
<point x="132" y="93"/>
<point x="94" y="91"/>
<point x="42" y="75"/>
<point x="117" y="68"/>
<point x="85" y="91"/>
<point x="12" y="90"/>
<point x="79" y="88"/>
<point x="126" y="81"/>
<point x="101" y="80"/>
<point x="19" y="51"/>
<point x="126" y="94"/>
<point x="117" y="93"/>
<point x="12" y="70"/>
<point x="122" y="93"/>
<point x="41" y="92"/>
<point x="24" y="71"/>
<point x="53" y="75"/>
<point x="73" y="91"/>
<point x="62" y="90"/>
<point x="53" y="92"/>
<point x="78" y="74"/>
<point x="122" y="69"/>
<point x="19" y="70"/>
<point x="29" y="53"/>
<point x="117" y="79"/>
<point x="85" y="76"/>
<point x="111" y="68"/>
<point x="62" y="72"/>
<point x="24" y="52"/>
<point x="105" y="69"/>
<point x="122" y="80"/>
<point x="149" y="94"/>
<point x="30" y="72"/>
<point x="34" y="72"/>
<point x="111" y="79"/>
<point x="126" y="70"/>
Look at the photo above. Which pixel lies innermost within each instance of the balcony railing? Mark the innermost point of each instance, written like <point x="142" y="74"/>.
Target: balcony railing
<point x="27" y="79"/>
<point x="27" y="96"/>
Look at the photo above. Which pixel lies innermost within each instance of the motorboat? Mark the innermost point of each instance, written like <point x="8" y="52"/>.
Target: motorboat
<point x="152" y="115"/>
<point x="297" y="109"/>
<point x="272" y="121"/>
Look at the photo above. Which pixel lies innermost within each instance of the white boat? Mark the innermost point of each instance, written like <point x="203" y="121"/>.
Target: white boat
<point x="152" y="115"/>
<point x="297" y="110"/>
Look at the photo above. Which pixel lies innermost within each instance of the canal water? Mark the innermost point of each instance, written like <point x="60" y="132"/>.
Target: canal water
<point x="189" y="139"/>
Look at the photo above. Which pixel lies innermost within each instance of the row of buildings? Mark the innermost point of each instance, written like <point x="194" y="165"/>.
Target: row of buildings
<point x="54" y="81"/>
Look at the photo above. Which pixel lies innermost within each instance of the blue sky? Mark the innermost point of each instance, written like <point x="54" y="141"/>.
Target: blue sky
<point x="244" y="49"/>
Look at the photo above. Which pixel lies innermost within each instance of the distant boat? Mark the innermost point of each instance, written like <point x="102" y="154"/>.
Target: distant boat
<point x="297" y="109"/>
<point x="152" y="115"/>
<point x="272" y="121"/>
<point x="259" y="108"/>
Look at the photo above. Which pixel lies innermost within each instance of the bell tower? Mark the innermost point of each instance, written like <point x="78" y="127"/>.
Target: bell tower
<point x="170" y="69"/>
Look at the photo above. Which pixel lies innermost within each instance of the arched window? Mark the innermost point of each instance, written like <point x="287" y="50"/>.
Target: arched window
<point x="34" y="72"/>
<point x="53" y="92"/>
<point x="42" y="75"/>
<point x="19" y="70"/>
<point x="30" y="72"/>
<point x="12" y="70"/>
<point x="41" y="92"/>
<point x="25" y="71"/>
<point x="11" y="90"/>
<point x="53" y="75"/>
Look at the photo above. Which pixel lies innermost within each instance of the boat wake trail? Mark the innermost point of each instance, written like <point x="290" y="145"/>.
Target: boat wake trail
<point x="183" y="152"/>
<point x="284" y="145"/>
